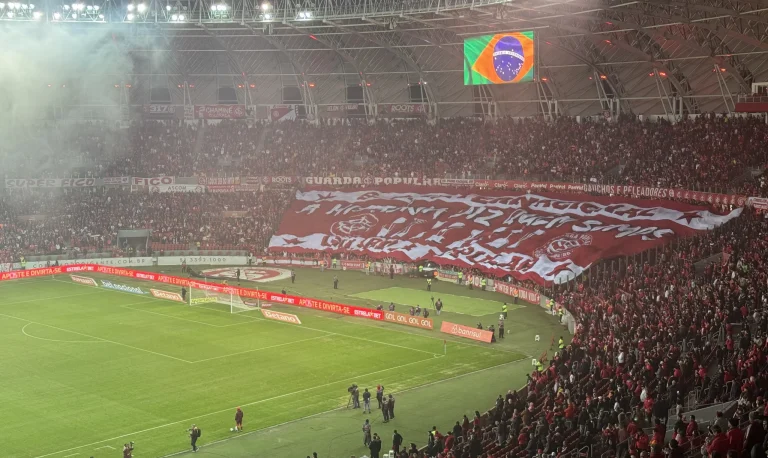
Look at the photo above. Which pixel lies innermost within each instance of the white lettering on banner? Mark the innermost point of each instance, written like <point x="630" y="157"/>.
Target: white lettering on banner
<point x="162" y="294"/>
<point x="83" y="280"/>
<point x="116" y="180"/>
<point x="124" y="288"/>
<point x="177" y="188"/>
<point x="218" y="188"/>
<point x="156" y="181"/>
<point x="116" y="262"/>
<point x="218" y="180"/>
<point x="50" y="182"/>
<point x="529" y="236"/>
<point x="202" y="260"/>
<point x="761" y="203"/>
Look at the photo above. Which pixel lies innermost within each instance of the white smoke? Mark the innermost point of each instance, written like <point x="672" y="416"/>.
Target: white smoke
<point x="50" y="71"/>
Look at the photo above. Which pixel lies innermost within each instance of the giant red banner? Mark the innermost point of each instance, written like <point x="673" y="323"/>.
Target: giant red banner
<point x="544" y="238"/>
<point x="220" y="111"/>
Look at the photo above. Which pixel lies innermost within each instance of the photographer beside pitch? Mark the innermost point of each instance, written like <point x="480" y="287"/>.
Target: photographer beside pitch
<point x="194" y="435"/>
<point x="128" y="450"/>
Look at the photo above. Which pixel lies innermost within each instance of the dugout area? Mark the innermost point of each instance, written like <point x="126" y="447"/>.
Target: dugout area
<point x="101" y="366"/>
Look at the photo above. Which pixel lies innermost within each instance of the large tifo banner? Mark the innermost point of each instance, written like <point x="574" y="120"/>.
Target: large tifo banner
<point x="546" y="239"/>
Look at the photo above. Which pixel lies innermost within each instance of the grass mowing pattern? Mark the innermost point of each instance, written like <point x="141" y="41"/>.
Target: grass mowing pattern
<point x="459" y="304"/>
<point x="99" y="368"/>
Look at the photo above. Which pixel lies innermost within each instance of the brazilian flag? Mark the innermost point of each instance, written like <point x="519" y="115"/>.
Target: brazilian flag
<point x="499" y="59"/>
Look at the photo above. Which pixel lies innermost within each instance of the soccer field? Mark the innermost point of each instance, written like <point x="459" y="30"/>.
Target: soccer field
<point x="458" y="304"/>
<point x="87" y="369"/>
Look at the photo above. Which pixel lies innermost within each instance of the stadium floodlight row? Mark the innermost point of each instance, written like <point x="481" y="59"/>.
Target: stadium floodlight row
<point x="227" y="11"/>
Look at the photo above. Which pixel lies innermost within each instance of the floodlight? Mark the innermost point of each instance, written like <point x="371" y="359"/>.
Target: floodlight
<point x="141" y="8"/>
<point x="37" y="15"/>
<point x="267" y="16"/>
<point x="2" y="5"/>
<point x="89" y="8"/>
<point x="168" y="8"/>
<point x="101" y="16"/>
<point x="174" y="17"/>
<point x="56" y="16"/>
<point x="131" y="6"/>
<point x="24" y="6"/>
<point x="66" y="7"/>
<point x="74" y="15"/>
<point x="10" y="14"/>
<point x="265" y="6"/>
<point x="31" y="6"/>
<point x="181" y="18"/>
<point x="130" y="16"/>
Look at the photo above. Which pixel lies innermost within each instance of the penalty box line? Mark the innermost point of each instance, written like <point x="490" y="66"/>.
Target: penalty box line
<point x="253" y="318"/>
<point x="230" y="409"/>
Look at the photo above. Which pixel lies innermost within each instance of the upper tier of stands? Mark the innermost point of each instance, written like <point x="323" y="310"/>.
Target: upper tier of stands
<point x="706" y="153"/>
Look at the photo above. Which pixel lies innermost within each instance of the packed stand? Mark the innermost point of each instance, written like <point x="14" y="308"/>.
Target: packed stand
<point x="651" y="338"/>
<point x="88" y="220"/>
<point x="707" y="153"/>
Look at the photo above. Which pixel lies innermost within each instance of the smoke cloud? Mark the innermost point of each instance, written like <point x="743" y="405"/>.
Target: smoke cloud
<point x="81" y="65"/>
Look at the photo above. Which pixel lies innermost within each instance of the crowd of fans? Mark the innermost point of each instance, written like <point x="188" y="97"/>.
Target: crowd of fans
<point x="706" y="153"/>
<point x="651" y="336"/>
<point x="86" y="220"/>
<point x="653" y="339"/>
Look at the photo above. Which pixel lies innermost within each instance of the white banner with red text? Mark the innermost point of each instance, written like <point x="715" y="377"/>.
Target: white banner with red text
<point x="534" y="237"/>
<point x="194" y="188"/>
<point x="220" y="111"/>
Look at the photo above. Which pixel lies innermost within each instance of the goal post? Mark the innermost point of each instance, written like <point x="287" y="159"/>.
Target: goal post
<point x="201" y="294"/>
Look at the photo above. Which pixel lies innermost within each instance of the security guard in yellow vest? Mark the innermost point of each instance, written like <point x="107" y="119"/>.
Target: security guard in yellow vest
<point x="551" y="304"/>
<point x="368" y="268"/>
<point x="421" y="270"/>
<point x="561" y="312"/>
<point x="482" y="284"/>
<point x="461" y="277"/>
<point x="23" y="262"/>
<point x="539" y="366"/>
<point x="561" y="343"/>
<point x="504" y="310"/>
<point x="334" y="262"/>
<point x="429" y="284"/>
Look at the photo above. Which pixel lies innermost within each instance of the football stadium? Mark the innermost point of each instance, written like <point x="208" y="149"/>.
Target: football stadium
<point x="369" y="229"/>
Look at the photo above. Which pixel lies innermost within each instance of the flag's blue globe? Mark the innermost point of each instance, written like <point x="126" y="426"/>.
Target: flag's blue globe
<point x="508" y="58"/>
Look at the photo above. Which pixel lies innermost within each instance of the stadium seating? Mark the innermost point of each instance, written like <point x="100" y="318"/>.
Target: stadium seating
<point x="652" y="333"/>
<point x="705" y="153"/>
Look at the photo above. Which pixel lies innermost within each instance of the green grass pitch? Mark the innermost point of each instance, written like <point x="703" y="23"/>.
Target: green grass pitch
<point x="474" y="306"/>
<point x="87" y="369"/>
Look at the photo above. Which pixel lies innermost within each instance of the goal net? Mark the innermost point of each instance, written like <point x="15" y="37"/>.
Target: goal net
<point x="202" y="294"/>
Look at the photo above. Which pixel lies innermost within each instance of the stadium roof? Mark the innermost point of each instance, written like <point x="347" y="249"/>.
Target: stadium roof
<point x="656" y="56"/>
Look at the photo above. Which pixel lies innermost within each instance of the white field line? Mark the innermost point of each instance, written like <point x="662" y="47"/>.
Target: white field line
<point x="98" y="338"/>
<point x="39" y="299"/>
<point x="258" y="349"/>
<point x="331" y="333"/>
<point x="254" y="318"/>
<point x="24" y="331"/>
<point x="342" y="408"/>
<point x="231" y="409"/>
<point x="183" y="319"/>
<point x="445" y="337"/>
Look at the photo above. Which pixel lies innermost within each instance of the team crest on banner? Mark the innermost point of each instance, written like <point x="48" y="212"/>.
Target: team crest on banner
<point x="562" y="247"/>
<point x="359" y="225"/>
